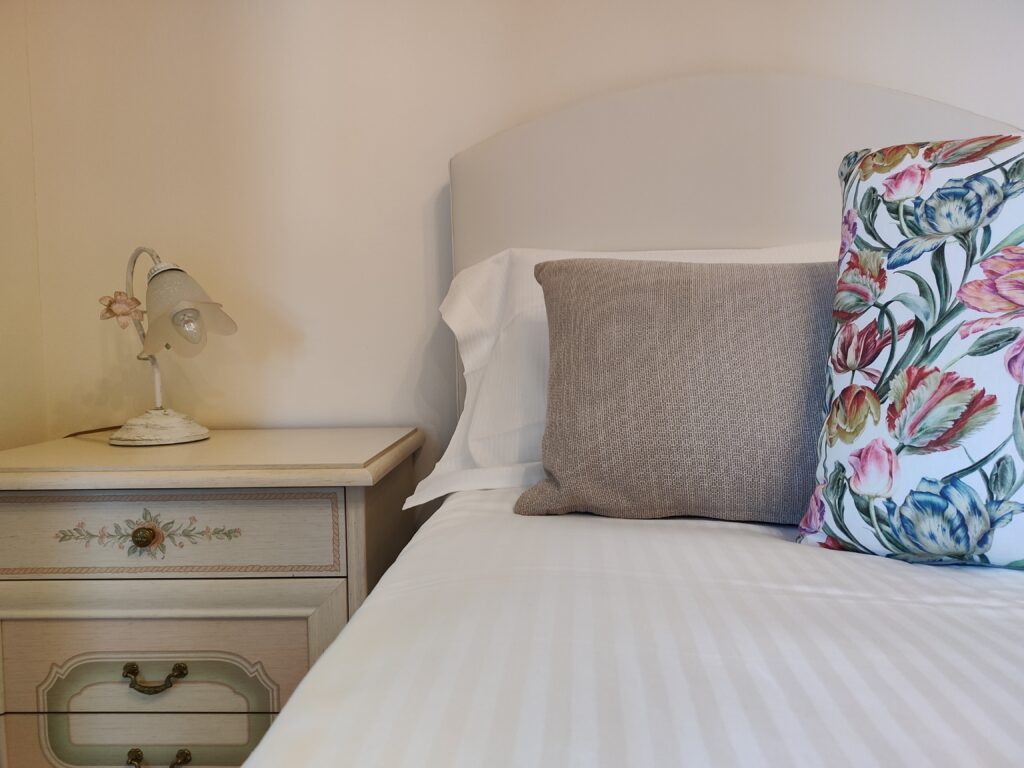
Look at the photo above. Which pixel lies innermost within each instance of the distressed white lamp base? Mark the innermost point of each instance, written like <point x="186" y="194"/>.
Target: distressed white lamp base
<point x="159" y="426"/>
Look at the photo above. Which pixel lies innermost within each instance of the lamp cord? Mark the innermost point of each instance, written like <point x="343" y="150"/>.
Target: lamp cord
<point x="92" y="431"/>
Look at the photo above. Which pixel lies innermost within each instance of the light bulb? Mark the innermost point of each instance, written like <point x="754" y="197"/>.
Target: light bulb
<point x="189" y="325"/>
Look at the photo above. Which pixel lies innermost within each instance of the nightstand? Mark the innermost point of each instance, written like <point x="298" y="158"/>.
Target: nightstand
<point x="159" y="605"/>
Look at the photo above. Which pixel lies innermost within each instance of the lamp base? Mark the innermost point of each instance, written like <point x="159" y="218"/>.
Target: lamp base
<point x="159" y="426"/>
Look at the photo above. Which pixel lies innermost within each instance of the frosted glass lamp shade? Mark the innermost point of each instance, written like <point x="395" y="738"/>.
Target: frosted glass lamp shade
<point x="181" y="314"/>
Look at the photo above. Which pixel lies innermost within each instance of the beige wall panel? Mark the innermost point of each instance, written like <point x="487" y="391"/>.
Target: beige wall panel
<point x="22" y="386"/>
<point x="3" y="698"/>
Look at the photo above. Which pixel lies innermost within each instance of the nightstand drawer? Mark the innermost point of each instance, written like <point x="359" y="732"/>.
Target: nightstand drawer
<point x="103" y="741"/>
<point x="172" y="533"/>
<point x="202" y="665"/>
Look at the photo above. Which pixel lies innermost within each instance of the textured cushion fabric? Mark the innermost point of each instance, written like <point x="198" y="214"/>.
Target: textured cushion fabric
<point x="922" y="450"/>
<point x="496" y="311"/>
<point x="682" y="389"/>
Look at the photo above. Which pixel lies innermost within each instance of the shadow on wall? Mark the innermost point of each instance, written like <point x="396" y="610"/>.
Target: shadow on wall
<point x="281" y="342"/>
<point x="126" y="386"/>
<point x="435" y="372"/>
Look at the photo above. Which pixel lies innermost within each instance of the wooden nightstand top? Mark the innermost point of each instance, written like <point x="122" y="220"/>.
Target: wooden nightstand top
<point x="231" y="458"/>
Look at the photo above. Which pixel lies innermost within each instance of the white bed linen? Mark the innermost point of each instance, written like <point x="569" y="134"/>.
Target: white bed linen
<point x="498" y="640"/>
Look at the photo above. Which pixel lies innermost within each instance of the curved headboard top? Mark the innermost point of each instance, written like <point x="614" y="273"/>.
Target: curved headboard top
<point x="697" y="162"/>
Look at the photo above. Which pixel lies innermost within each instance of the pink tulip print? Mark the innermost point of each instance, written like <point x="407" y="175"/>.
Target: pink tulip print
<point x="949" y="153"/>
<point x="851" y="413"/>
<point x="999" y="293"/>
<point x="935" y="411"/>
<point x="884" y="160"/>
<point x="874" y="467"/>
<point x="860" y="284"/>
<point x="849" y="233"/>
<point x="856" y="349"/>
<point x="815" y="514"/>
<point x="906" y="184"/>
<point x="921" y="456"/>
<point x="1014" y="360"/>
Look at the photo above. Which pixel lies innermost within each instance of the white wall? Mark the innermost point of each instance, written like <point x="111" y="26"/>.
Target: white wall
<point x="293" y="156"/>
<point x="952" y="51"/>
<point x="22" y="404"/>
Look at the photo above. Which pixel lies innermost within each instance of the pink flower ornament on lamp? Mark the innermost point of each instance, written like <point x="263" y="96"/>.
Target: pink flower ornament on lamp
<point x="122" y="308"/>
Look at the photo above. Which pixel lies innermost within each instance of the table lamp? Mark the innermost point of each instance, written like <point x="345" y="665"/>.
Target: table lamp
<point x="180" y="315"/>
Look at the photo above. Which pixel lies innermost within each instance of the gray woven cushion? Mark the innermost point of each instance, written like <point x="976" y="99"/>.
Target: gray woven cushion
<point x="683" y="389"/>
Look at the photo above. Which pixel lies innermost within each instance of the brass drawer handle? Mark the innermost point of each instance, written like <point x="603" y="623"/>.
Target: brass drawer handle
<point x="135" y="758"/>
<point x="142" y="537"/>
<point x="131" y="671"/>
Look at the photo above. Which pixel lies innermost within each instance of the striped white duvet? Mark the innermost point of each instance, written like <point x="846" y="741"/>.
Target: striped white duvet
<point x="499" y="640"/>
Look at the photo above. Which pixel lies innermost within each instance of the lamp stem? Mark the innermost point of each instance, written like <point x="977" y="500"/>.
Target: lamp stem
<point x="129" y="282"/>
<point x="158" y="386"/>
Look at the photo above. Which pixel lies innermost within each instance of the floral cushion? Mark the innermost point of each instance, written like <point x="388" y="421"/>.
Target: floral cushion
<point x="921" y="456"/>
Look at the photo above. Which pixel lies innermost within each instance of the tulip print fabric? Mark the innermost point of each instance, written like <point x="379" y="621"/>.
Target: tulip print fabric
<point x="921" y="456"/>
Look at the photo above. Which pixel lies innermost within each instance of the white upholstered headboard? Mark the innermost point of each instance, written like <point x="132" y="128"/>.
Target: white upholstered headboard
<point x="699" y="162"/>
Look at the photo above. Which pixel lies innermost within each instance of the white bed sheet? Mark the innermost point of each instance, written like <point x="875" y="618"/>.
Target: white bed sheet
<point x="499" y="640"/>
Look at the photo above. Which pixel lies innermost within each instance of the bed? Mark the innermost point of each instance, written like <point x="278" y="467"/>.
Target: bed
<point x="498" y="639"/>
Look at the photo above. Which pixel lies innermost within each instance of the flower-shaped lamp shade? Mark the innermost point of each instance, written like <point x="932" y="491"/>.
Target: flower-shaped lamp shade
<point x="181" y="313"/>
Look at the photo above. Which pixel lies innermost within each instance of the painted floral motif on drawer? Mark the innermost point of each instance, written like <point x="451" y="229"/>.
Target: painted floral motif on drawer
<point x="148" y="535"/>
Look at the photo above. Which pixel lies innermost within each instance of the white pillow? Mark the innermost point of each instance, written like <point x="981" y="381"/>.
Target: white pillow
<point x="496" y="311"/>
